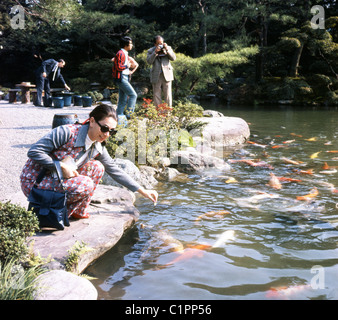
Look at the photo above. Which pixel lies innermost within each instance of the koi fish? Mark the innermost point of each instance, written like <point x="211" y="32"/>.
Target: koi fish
<point x="278" y="146"/>
<point x="286" y="292"/>
<point x="288" y="179"/>
<point x="289" y="141"/>
<point x="259" y="164"/>
<point x="211" y="214"/>
<point x="325" y="166"/>
<point x="296" y="135"/>
<point x="186" y="254"/>
<point x="310" y="171"/>
<point x="291" y="161"/>
<point x="253" y="163"/>
<point x="315" y="155"/>
<point x="192" y="251"/>
<point x="223" y="238"/>
<point x="231" y="180"/>
<point x="313" y="193"/>
<point x="332" y="151"/>
<point x="328" y="171"/>
<point x="256" y="144"/>
<point x="274" y="182"/>
<point x="258" y="197"/>
<point x="312" y="139"/>
<point x="239" y="160"/>
<point x="168" y="240"/>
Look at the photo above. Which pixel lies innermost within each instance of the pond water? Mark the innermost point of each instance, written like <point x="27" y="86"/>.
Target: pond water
<point x="276" y="246"/>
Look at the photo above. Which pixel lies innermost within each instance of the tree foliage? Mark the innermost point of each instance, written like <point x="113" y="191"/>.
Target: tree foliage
<point x="212" y="38"/>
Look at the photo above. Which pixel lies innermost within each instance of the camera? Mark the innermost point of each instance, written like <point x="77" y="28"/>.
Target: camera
<point x="162" y="52"/>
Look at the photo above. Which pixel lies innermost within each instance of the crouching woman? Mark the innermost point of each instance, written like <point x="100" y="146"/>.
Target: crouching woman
<point x="83" y="158"/>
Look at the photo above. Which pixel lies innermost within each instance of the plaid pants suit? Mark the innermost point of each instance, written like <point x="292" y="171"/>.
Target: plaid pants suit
<point x="69" y="141"/>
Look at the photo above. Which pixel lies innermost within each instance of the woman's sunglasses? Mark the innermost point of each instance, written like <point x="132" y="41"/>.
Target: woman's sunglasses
<point x="105" y="128"/>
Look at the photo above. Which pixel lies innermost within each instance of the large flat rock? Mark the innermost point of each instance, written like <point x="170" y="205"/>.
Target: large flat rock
<point x="62" y="285"/>
<point x="110" y="216"/>
<point x="220" y="132"/>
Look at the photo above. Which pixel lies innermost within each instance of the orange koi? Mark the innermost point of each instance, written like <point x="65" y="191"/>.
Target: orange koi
<point x="240" y="160"/>
<point x="274" y="182"/>
<point x="310" y="171"/>
<point x="191" y="252"/>
<point x="278" y="146"/>
<point x="285" y="292"/>
<point x="253" y="163"/>
<point x="199" y="246"/>
<point x="325" y="166"/>
<point x="332" y="151"/>
<point x="288" y="179"/>
<point x="211" y="214"/>
<point x="296" y="135"/>
<point x="313" y="193"/>
<point x="335" y="191"/>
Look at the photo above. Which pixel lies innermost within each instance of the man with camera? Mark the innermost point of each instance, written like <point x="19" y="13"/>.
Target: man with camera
<point x="161" y="74"/>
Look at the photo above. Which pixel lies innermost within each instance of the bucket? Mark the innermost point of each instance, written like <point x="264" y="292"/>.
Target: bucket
<point x="87" y="101"/>
<point x="77" y="101"/>
<point x="58" y="102"/>
<point x="61" y="119"/>
<point x="47" y="101"/>
<point x="67" y="99"/>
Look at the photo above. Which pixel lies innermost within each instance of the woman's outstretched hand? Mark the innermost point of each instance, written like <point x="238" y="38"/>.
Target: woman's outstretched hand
<point x="150" y="194"/>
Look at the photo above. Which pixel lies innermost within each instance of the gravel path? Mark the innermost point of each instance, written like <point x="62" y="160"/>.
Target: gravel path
<point x="20" y="126"/>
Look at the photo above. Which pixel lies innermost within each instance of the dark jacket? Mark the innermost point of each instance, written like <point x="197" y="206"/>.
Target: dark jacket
<point x="48" y="66"/>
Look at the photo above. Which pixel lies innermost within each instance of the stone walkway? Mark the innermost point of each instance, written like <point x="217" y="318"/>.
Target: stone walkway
<point x="112" y="210"/>
<point x="20" y="126"/>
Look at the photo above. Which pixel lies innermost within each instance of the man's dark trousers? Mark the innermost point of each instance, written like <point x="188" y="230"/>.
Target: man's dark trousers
<point x="41" y="84"/>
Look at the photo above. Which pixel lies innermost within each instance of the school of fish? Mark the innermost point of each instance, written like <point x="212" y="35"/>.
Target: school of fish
<point x="299" y="168"/>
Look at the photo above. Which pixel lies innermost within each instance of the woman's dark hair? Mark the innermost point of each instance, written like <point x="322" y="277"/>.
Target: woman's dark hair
<point x="124" y="41"/>
<point x="103" y="111"/>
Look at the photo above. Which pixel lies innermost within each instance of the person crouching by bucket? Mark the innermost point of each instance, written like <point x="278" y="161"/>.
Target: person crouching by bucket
<point x="85" y="144"/>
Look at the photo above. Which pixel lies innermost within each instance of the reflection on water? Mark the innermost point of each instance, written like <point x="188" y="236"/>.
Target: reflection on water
<point x="280" y="248"/>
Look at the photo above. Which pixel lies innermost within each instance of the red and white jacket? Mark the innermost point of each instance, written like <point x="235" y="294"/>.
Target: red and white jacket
<point x="120" y="64"/>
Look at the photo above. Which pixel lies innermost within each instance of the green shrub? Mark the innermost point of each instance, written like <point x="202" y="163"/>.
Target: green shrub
<point x="80" y="85"/>
<point x="16" y="224"/>
<point x="95" y="95"/>
<point x="153" y="132"/>
<point x="17" y="283"/>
